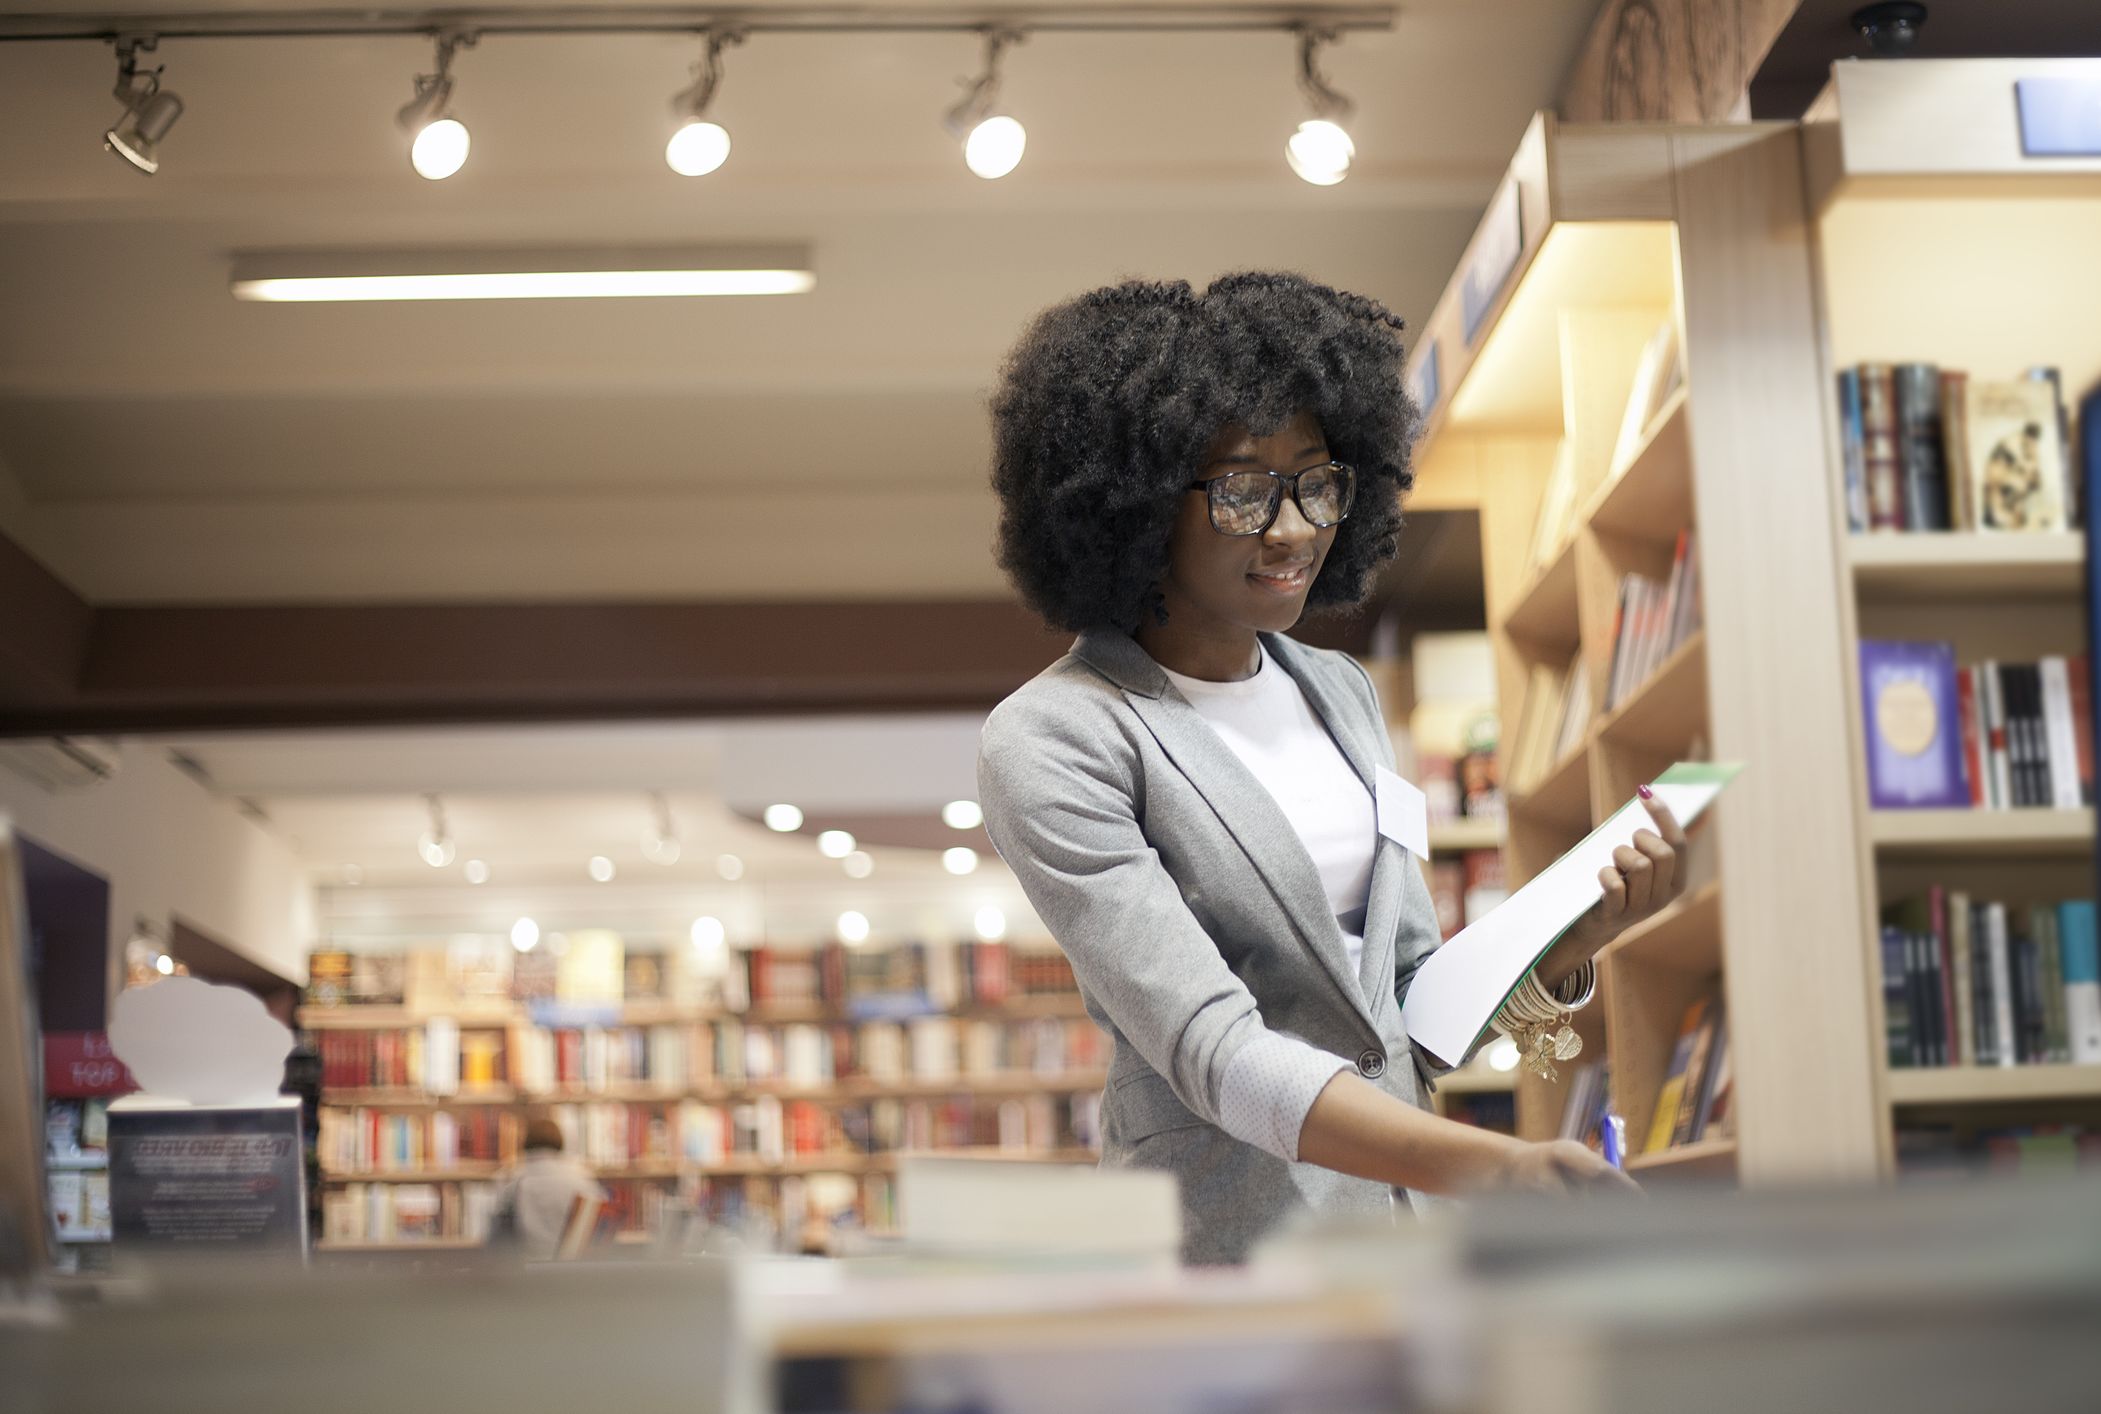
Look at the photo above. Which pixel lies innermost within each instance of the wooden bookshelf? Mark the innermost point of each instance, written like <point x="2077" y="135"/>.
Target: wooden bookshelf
<point x="1988" y="1085"/>
<point x="1708" y="1159"/>
<point x="2025" y="834"/>
<point x="1970" y="563"/>
<point x="1458" y="836"/>
<point x="1620" y="230"/>
<point x="1916" y="177"/>
<point x="455" y="1173"/>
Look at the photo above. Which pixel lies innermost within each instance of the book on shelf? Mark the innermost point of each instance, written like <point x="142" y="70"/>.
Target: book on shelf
<point x="1914" y="743"/>
<point x="1551" y="721"/>
<point x="2042" y="1150"/>
<point x="1557" y="511"/>
<point x="1925" y="448"/>
<point x="1990" y="735"/>
<point x="1986" y="982"/>
<point x="1658" y="373"/>
<point x="1589" y="1097"/>
<point x="1689" y="1056"/>
<point x="1653" y="620"/>
<point x="408" y="1212"/>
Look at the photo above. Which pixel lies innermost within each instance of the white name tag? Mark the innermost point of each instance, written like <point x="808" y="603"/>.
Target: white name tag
<point x="1404" y="814"/>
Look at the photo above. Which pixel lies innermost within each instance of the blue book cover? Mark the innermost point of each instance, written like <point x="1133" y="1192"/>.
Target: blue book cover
<point x="1851" y="439"/>
<point x="1914" y="734"/>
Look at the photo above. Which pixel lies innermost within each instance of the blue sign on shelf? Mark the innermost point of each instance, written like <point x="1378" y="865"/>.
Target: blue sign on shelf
<point x="2060" y="116"/>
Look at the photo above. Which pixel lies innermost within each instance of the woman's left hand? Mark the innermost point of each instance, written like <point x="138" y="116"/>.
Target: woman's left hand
<point x="1641" y="882"/>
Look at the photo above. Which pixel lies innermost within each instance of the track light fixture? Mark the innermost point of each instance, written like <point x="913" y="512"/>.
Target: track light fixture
<point x="440" y="140"/>
<point x="661" y="844"/>
<point x="1320" y="151"/>
<point x="700" y="146"/>
<point x="149" y="109"/>
<point x="992" y="140"/>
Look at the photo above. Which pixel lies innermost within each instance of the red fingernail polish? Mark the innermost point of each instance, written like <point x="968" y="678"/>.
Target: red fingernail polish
<point x="1644" y="792"/>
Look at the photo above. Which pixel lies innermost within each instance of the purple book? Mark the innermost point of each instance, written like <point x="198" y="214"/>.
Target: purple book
<point x="1914" y="736"/>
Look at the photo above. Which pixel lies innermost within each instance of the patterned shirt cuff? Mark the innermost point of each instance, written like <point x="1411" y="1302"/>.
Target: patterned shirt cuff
<point x="1269" y="1086"/>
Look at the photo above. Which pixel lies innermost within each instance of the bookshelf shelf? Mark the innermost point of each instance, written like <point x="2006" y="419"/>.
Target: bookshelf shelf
<point x="1967" y="564"/>
<point x="389" y="1018"/>
<point x="1544" y="613"/>
<point x="1652" y="498"/>
<point x="851" y="1089"/>
<point x="386" y="1018"/>
<point x="404" y="1245"/>
<point x="457" y="1173"/>
<point x="397" y="1099"/>
<point x="1983" y="833"/>
<point x="1710" y="1158"/>
<point x="1478" y="1079"/>
<point x="1670" y="706"/>
<point x="1460" y="835"/>
<point x="1686" y="937"/>
<point x="1975" y="1084"/>
<point x="1562" y="796"/>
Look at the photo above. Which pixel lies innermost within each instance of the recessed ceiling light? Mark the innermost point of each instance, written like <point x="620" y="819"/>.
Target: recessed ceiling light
<point x="729" y="867"/>
<point x="858" y="865"/>
<point x="835" y="844"/>
<point x="853" y="928"/>
<point x="784" y="818"/>
<point x="991" y="924"/>
<point x="962" y="815"/>
<point x="708" y="933"/>
<point x="602" y="869"/>
<point x="297" y="277"/>
<point x="477" y="872"/>
<point x="524" y="933"/>
<point x="959" y="860"/>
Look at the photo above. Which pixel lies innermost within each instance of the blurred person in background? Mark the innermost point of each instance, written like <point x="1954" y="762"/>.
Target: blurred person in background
<point x="539" y="1197"/>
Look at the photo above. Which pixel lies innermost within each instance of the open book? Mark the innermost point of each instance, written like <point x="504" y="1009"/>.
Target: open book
<point x="1458" y="990"/>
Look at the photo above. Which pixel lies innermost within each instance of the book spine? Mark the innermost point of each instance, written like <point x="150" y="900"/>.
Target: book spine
<point x="2056" y="680"/>
<point x="1981" y="982"/>
<point x="1972" y="753"/>
<point x="1621" y="621"/>
<point x="2028" y="1002"/>
<point x="1896" y="996"/>
<point x="2002" y="985"/>
<point x="2000" y="768"/>
<point x="1963" y="965"/>
<point x="2080" y="683"/>
<point x="1945" y="1040"/>
<point x="2080" y="962"/>
<point x="1917" y="970"/>
<point x="1918" y="400"/>
<point x="1852" y="450"/>
<point x="1955" y="447"/>
<point x="2039" y="789"/>
<point x="1878" y="441"/>
<point x="2051" y="977"/>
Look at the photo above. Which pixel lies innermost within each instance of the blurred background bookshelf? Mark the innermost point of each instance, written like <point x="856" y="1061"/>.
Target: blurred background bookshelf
<point x="1964" y="535"/>
<point x="764" y="1087"/>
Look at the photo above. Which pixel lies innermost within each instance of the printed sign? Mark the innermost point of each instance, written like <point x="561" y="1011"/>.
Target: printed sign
<point x="79" y="1065"/>
<point x="197" y="1180"/>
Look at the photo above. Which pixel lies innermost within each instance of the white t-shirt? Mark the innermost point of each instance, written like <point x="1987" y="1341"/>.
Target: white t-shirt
<point x="1267" y="722"/>
<point x="1277" y="735"/>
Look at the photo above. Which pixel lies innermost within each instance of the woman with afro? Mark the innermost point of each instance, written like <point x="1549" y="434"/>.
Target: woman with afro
<point x="1188" y="796"/>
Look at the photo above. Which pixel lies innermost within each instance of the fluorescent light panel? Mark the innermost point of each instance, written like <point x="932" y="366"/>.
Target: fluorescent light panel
<point x="306" y="277"/>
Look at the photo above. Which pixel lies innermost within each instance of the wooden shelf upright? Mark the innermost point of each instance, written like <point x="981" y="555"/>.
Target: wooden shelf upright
<point x="1597" y="237"/>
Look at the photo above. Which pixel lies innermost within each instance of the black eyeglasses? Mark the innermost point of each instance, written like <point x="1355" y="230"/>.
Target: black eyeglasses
<point x="1247" y="502"/>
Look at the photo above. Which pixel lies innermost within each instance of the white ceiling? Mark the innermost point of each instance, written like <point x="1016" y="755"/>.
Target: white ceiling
<point x="159" y="442"/>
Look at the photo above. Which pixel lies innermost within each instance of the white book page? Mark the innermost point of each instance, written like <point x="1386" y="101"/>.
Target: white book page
<point x="1458" y="990"/>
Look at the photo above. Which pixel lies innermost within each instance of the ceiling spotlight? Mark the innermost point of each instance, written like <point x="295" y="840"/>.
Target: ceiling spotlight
<point x="436" y="845"/>
<point x="959" y="860"/>
<point x="524" y="933"/>
<point x="729" y="867"/>
<point x="1320" y="151"/>
<point x="853" y="927"/>
<point x="992" y="141"/>
<point x="477" y="872"/>
<point x="784" y="818"/>
<point x="699" y="146"/>
<point x="660" y="845"/>
<point x="708" y="933"/>
<point x="601" y="869"/>
<point x="962" y="815"/>
<point x="440" y="145"/>
<point x="858" y="865"/>
<point x="164" y="965"/>
<point x="149" y="111"/>
<point x="991" y="924"/>
<point x="835" y="844"/>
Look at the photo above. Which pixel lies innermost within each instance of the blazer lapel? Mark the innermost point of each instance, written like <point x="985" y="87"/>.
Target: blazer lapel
<point x="1247" y="810"/>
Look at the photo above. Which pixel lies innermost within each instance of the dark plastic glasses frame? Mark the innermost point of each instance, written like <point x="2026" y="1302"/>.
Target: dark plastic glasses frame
<point x="1278" y="481"/>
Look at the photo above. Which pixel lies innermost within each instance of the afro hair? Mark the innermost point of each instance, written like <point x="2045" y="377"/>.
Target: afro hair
<point x="1108" y="403"/>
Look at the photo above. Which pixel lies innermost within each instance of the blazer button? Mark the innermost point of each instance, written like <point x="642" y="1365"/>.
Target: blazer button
<point x="1371" y="1064"/>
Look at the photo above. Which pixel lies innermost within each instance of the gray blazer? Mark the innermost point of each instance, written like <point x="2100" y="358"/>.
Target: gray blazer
<point x="1195" y="919"/>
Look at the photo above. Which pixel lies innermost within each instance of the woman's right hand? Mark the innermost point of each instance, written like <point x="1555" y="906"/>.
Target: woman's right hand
<point x="1559" y="1166"/>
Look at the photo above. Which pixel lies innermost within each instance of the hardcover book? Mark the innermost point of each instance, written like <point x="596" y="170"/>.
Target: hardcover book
<point x="1914" y="733"/>
<point x="2017" y="456"/>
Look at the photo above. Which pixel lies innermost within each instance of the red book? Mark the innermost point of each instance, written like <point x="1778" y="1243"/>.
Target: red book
<point x="1972" y="748"/>
<point x="2083" y="725"/>
<point x="1937" y="904"/>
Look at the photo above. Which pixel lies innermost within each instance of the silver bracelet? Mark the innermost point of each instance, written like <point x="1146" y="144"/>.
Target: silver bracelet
<point x="1538" y="1020"/>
